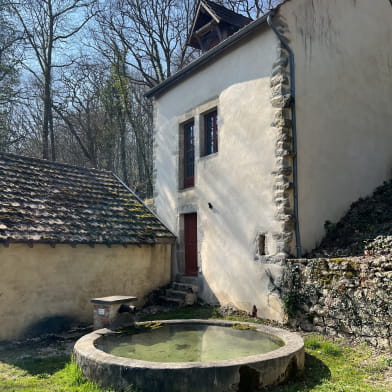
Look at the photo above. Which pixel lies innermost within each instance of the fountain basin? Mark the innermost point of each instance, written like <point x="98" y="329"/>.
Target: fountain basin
<point x="242" y="374"/>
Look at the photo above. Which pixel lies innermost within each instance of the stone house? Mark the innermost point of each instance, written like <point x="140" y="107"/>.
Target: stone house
<point x="69" y="234"/>
<point x="275" y="129"/>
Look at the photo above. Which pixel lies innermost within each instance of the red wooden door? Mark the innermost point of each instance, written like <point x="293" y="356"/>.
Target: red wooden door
<point x="190" y="243"/>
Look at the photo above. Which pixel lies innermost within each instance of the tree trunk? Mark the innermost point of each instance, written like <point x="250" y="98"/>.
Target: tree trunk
<point x="123" y="146"/>
<point x="47" y="104"/>
<point x="51" y="133"/>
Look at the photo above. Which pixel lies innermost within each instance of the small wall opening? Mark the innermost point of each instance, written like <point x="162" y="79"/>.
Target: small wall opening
<point x="261" y="249"/>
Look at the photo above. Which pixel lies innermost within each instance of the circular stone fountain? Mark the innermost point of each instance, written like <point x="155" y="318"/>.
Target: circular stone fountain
<point x="190" y="356"/>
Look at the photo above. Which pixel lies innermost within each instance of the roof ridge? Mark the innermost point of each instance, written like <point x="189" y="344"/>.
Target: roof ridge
<point x="223" y="8"/>
<point x="210" y="9"/>
<point x="53" y="163"/>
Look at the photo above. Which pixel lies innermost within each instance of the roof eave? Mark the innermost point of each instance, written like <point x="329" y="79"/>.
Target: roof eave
<point x="211" y="12"/>
<point x="207" y="57"/>
<point x="137" y="242"/>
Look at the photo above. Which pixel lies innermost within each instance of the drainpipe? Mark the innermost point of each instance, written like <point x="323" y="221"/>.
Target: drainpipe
<point x="294" y="128"/>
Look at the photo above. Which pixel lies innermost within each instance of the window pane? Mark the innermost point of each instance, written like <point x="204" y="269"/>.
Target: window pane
<point x="189" y="155"/>
<point x="211" y="132"/>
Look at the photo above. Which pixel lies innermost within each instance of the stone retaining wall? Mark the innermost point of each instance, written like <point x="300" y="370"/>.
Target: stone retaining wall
<point x="341" y="297"/>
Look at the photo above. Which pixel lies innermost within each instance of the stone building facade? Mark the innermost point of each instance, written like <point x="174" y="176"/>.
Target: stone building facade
<point x="272" y="131"/>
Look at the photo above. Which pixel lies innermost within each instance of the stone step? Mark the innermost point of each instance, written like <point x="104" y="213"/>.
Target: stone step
<point x="172" y="300"/>
<point x="186" y="279"/>
<point x="184" y="287"/>
<point x="172" y="293"/>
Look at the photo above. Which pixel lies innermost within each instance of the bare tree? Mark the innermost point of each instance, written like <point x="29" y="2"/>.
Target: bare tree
<point x="250" y="8"/>
<point x="154" y="35"/>
<point x="47" y="25"/>
<point x="105" y="121"/>
<point x="26" y="120"/>
<point x="97" y="105"/>
<point x="79" y="110"/>
<point x="10" y="60"/>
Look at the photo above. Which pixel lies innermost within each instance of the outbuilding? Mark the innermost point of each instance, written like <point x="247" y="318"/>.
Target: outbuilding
<point x="69" y="234"/>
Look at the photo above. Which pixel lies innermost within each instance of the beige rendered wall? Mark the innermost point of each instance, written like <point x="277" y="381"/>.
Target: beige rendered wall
<point x="343" y="55"/>
<point x="237" y="180"/>
<point x="39" y="282"/>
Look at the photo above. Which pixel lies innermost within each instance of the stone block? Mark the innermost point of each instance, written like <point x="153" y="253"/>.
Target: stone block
<point x="319" y="329"/>
<point x="108" y="311"/>
<point x="281" y="101"/>
<point x="279" y="78"/>
<point x="331" y="331"/>
<point x="279" y="89"/>
<point x="280" y="123"/>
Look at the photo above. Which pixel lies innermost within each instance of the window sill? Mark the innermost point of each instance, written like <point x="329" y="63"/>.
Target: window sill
<point x="209" y="156"/>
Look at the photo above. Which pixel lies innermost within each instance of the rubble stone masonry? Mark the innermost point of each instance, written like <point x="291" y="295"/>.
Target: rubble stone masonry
<point x="349" y="297"/>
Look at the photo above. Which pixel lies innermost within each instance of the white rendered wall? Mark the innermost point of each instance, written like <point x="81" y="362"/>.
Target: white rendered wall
<point x="343" y="54"/>
<point x="237" y="181"/>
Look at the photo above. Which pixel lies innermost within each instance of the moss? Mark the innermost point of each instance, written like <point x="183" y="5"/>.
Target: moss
<point x="244" y="327"/>
<point x="132" y="330"/>
<point x="153" y="325"/>
<point x="367" y="219"/>
<point x="337" y="260"/>
<point x="323" y="277"/>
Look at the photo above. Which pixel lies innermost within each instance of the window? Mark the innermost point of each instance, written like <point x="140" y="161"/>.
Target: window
<point x="189" y="154"/>
<point x="211" y="133"/>
<point x="261" y="245"/>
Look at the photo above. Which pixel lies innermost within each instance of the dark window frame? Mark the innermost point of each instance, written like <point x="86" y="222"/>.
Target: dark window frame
<point x="261" y="244"/>
<point x="188" y="151"/>
<point x="211" y="132"/>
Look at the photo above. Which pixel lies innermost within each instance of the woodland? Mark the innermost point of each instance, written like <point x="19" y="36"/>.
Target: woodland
<point x="73" y="74"/>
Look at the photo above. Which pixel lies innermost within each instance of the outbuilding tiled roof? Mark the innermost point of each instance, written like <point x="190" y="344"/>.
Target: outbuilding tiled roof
<point x="47" y="202"/>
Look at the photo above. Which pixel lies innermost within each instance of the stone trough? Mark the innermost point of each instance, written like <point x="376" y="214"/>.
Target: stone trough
<point x="243" y="374"/>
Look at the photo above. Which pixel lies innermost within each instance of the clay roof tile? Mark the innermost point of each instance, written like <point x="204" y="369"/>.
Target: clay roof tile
<point x="49" y="202"/>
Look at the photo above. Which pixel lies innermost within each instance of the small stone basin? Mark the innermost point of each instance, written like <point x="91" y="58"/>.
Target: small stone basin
<point x="190" y="356"/>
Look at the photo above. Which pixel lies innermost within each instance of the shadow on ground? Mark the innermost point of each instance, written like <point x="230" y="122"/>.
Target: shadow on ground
<point x="314" y="374"/>
<point x="41" y="356"/>
<point x="42" y="366"/>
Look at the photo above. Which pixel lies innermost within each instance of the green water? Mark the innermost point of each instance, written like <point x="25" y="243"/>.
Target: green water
<point x="189" y="343"/>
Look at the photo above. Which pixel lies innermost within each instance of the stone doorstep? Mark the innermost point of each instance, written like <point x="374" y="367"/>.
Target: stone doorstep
<point x="181" y="294"/>
<point x="172" y="300"/>
<point x="186" y="279"/>
<point x="185" y="287"/>
<point x="183" y="291"/>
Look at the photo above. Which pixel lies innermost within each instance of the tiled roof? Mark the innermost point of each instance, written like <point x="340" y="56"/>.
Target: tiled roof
<point x="208" y="57"/>
<point x="47" y="202"/>
<point x="227" y="15"/>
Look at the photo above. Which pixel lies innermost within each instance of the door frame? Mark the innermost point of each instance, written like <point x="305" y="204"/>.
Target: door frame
<point x="190" y="243"/>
